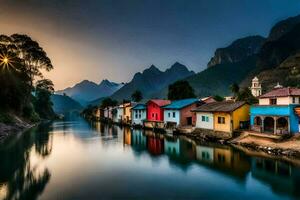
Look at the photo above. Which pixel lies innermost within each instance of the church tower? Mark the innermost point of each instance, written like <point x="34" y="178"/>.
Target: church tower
<point x="256" y="87"/>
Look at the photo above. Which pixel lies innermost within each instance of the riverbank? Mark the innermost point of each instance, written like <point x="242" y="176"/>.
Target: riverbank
<point x="286" y="147"/>
<point x="17" y="127"/>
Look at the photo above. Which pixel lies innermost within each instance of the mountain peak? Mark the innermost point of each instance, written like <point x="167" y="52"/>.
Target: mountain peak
<point x="151" y="69"/>
<point x="238" y="50"/>
<point x="177" y="66"/>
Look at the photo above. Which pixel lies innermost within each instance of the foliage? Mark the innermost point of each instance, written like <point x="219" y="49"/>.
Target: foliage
<point x="218" y="98"/>
<point x="137" y="96"/>
<point x="43" y="105"/>
<point x="108" y="102"/>
<point x="6" y="118"/>
<point x="235" y="89"/>
<point x="246" y="95"/>
<point x="180" y="90"/>
<point x="21" y="61"/>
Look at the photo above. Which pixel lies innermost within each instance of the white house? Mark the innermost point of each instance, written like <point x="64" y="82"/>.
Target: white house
<point x="205" y="120"/>
<point x="120" y="110"/>
<point x="139" y="114"/>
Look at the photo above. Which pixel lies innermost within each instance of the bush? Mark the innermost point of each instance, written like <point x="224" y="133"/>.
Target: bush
<point x="6" y="118"/>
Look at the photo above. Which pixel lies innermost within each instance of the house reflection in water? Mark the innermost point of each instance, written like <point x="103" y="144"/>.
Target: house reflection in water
<point x="205" y="154"/>
<point x="224" y="159"/>
<point x="155" y="143"/>
<point x="172" y="146"/>
<point x="127" y="136"/>
<point x="138" y="140"/>
<point x="282" y="177"/>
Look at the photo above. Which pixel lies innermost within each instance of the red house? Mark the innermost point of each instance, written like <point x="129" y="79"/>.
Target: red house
<point x="155" y="110"/>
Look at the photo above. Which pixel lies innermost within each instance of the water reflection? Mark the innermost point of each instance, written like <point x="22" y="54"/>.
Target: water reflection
<point x="20" y="176"/>
<point x="100" y="161"/>
<point x="183" y="152"/>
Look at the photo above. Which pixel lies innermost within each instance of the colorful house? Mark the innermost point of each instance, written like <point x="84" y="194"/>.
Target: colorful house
<point x="114" y="113"/>
<point x="138" y="114"/>
<point x="179" y="112"/>
<point x="98" y="113"/>
<point x="225" y="116"/>
<point x="155" y="110"/>
<point x="277" y="112"/>
<point x="155" y="113"/>
<point x="209" y="99"/>
<point x="107" y="113"/>
<point x="127" y="112"/>
<point x="120" y="110"/>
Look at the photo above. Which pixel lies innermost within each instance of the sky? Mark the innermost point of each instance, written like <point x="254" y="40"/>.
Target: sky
<point x="114" y="39"/>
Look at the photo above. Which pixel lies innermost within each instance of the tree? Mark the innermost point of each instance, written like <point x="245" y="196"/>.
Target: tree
<point x="246" y="95"/>
<point x="218" y="98"/>
<point x="137" y="96"/>
<point x="180" y="90"/>
<point x="21" y="61"/>
<point x="43" y="104"/>
<point x="35" y="58"/>
<point x="108" y="102"/>
<point x="235" y="89"/>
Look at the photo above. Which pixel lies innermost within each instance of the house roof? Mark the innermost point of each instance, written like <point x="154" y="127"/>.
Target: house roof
<point x="223" y="106"/>
<point x="139" y="107"/>
<point x="209" y="99"/>
<point x="282" y="92"/>
<point x="160" y="102"/>
<point x="179" y="104"/>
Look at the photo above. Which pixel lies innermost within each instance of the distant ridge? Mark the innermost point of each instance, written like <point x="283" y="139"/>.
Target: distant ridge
<point x="86" y="91"/>
<point x="152" y="80"/>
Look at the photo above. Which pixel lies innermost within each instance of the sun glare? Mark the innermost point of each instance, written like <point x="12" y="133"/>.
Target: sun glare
<point x="5" y="60"/>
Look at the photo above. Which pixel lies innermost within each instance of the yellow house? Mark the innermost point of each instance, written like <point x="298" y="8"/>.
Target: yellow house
<point x="127" y="113"/>
<point x="225" y="116"/>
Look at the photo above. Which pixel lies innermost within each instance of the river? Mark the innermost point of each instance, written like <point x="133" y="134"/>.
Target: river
<point x="81" y="160"/>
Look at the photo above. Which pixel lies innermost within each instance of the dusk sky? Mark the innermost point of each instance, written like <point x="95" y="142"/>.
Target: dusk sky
<point x="113" y="39"/>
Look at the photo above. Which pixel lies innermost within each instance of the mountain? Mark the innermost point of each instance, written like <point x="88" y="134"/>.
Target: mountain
<point x="278" y="59"/>
<point x="229" y="65"/>
<point x="86" y="91"/>
<point x="64" y="104"/>
<point x="283" y="27"/>
<point x="152" y="80"/>
<point x="237" y="51"/>
<point x="216" y="80"/>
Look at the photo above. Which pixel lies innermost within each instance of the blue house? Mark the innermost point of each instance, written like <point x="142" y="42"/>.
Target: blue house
<point x="179" y="112"/>
<point x="139" y="114"/>
<point x="278" y="112"/>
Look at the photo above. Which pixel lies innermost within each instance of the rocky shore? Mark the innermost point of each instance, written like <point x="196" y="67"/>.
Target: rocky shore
<point x="285" y="147"/>
<point x="7" y="130"/>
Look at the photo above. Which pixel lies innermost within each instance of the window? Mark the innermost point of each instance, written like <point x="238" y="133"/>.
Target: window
<point x="169" y="114"/>
<point x="206" y="119"/>
<point x="273" y="101"/>
<point x="174" y="114"/>
<point x="221" y="120"/>
<point x="152" y="115"/>
<point x="203" y="118"/>
<point x="136" y="116"/>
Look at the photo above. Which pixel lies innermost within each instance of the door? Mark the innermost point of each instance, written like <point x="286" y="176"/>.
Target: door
<point x="189" y="121"/>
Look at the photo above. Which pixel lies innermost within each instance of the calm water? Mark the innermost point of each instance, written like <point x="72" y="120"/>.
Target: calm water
<point x="78" y="160"/>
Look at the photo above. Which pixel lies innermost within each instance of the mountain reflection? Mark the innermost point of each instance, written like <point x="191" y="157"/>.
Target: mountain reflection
<point x="20" y="178"/>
